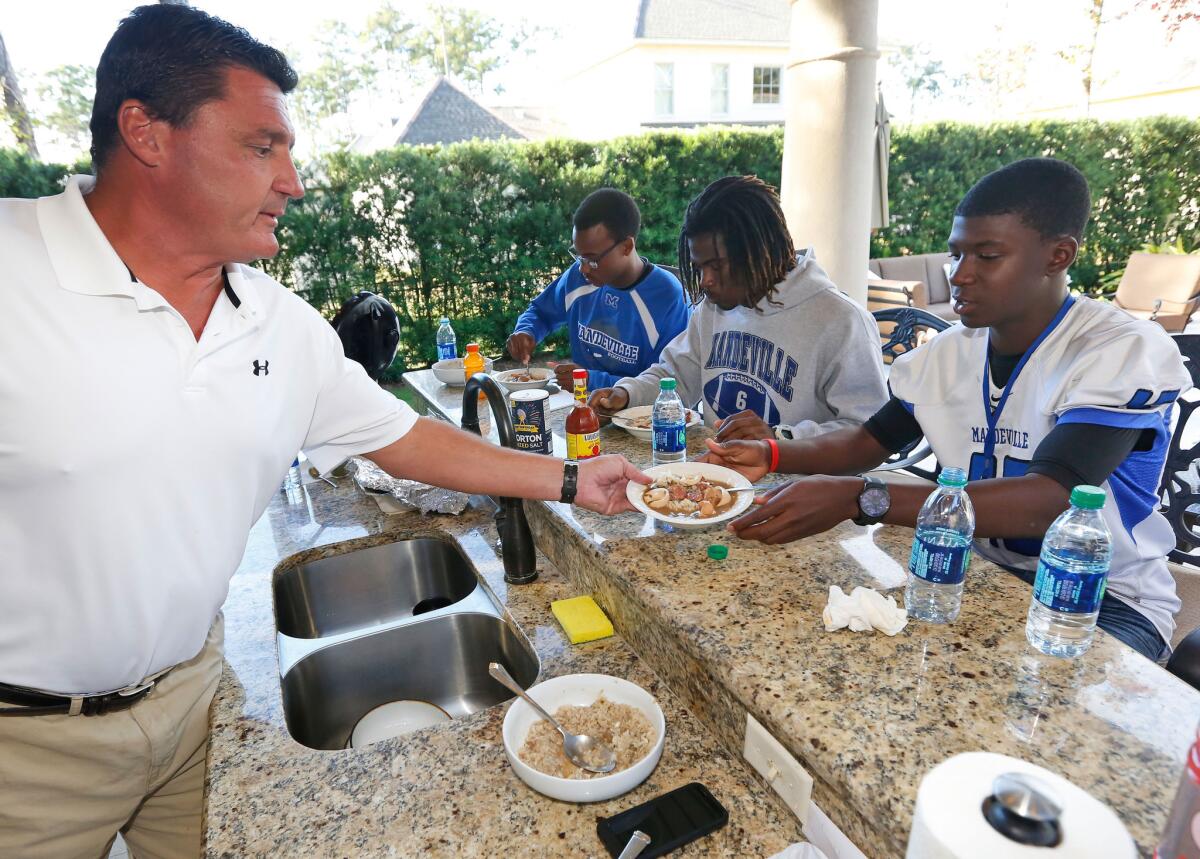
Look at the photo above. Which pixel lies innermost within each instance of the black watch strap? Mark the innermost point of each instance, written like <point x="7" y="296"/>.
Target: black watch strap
<point x="863" y="517"/>
<point x="570" y="481"/>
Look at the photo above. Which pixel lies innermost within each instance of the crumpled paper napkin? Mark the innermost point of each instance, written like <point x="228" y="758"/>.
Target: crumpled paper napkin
<point x="418" y="496"/>
<point x="863" y="610"/>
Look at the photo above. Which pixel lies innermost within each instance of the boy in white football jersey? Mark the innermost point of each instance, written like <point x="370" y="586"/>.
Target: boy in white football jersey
<point x="1036" y="392"/>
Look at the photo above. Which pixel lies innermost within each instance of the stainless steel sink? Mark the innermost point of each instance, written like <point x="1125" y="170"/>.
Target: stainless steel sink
<point x="371" y="587"/>
<point x="442" y="660"/>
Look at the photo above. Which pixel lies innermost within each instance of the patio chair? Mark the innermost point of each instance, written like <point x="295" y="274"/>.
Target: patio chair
<point x="927" y="269"/>
<point x="882" y="294"/>
<point x="1164" y="288"/>
<point x="1179" y="491"/>
<point x="901" y="329"/>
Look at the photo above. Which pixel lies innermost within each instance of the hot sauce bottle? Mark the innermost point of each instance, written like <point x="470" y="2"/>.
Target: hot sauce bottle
<point x="583" y="424"/>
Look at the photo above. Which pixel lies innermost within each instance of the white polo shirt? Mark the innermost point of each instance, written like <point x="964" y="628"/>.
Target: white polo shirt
<point x="133" y="459"/>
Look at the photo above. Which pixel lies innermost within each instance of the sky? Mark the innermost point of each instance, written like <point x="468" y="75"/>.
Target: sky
<point x="1132" y="53"/>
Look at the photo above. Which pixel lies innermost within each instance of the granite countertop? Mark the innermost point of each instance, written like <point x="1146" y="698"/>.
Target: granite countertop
<point x="865" y="714"/>
<point x="446" y="790"/>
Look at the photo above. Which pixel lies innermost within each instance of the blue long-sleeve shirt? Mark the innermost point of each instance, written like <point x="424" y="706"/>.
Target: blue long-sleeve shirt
<point x="614" y="332"/>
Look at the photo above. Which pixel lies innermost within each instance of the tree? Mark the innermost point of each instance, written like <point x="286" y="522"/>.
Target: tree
<point x="328" y="90"/>
<point x="922" y="75"/>
<point x="1084" y="55"/>
<point x="466" y="44"/>
<point x="14" y="104"/>
<point x="1174" y="13"/>
<point x="68" y="92"/>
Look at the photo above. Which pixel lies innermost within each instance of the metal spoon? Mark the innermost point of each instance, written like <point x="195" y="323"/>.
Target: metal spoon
<point x="639" y="842"/>
<point x="579" y="748"/>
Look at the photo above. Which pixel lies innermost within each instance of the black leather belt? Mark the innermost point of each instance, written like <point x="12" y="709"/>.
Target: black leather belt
<point x="34" y="703"/>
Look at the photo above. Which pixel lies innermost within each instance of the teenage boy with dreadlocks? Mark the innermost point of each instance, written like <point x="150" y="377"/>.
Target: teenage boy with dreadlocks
<point x="1035" y="393"/>
<point x="772" y="343"/>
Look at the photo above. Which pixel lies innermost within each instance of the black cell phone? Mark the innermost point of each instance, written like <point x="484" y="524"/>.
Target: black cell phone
<point x="671" y="821"/>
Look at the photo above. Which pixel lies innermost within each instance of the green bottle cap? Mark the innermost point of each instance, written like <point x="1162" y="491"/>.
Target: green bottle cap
<point x="717" y="551"/>
<point x="666" y="385"/>
<point x="952" y="476"/>
<point x="1088" y="497"/>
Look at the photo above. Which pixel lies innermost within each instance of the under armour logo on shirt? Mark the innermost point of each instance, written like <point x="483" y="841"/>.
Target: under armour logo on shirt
<point x="260" y="368"/>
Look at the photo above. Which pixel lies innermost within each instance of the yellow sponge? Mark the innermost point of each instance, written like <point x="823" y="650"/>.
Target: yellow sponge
<point x="582" y="619"/>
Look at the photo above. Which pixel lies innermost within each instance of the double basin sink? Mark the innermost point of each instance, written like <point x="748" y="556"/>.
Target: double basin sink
<point x="409" y="620"/>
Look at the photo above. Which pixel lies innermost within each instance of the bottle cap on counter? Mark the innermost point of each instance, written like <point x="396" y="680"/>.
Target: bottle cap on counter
<point x="718" y="552"/>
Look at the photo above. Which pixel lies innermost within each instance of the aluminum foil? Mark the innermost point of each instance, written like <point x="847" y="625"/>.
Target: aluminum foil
<point x="409" y="493"/>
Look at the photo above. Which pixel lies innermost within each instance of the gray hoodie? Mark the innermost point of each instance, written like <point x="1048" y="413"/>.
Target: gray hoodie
<point x="810" y="362"/>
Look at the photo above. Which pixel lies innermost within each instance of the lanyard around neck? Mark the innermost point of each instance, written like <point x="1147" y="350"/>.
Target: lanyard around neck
<point x="993" y="415"/>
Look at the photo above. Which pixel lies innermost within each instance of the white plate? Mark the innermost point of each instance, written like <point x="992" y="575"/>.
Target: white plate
<point x="450" y="371"/>
<point x="620" y="419"/>
<point x="546" y="377"/>
<point x="741" y="500"/>
<point x="394" y="719"/>
<point x="581" y="690"/>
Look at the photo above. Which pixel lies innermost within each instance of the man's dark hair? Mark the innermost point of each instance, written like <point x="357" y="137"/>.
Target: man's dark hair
<point x="615" y="209"/>
<point x="173" y="59"/>
<point x="1048" y="195"/>
<point x="745" y="210"/>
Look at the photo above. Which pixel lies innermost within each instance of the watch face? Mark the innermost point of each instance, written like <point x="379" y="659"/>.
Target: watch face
<point x="874" y="501"/>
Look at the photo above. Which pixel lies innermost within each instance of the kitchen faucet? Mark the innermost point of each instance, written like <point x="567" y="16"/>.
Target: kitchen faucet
<point x="516" y="542"/>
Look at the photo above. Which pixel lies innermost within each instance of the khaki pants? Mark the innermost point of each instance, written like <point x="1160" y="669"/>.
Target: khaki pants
<point x="68" y="784"/>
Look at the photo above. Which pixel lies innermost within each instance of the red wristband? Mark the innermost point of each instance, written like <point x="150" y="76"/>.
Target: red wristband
<point x="774" y="446"/>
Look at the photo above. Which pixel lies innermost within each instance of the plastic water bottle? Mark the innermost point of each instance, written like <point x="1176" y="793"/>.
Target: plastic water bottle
<point x="1071" y="575"/>
<point x="446" y="341"/>
<point x="669" y="422"/>
<point x="941" y="551"/>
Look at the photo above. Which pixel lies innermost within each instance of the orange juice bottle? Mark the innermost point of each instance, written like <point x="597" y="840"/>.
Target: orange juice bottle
<point x="473" y="363"/>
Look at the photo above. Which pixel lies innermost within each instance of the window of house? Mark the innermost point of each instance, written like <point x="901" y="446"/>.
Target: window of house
<point x="664" y="88"/>
<point x="766" y="84"/>
<point x="719" y="89"/>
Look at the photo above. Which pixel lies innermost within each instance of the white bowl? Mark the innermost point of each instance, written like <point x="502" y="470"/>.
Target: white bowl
<point x="450" y="371"/>
<point x="580" y="690"/>
<point x="741" y="500"/>
<point x="544" y="374"/>
<point x="395" y="718"/>
<point x="620" y="418"/>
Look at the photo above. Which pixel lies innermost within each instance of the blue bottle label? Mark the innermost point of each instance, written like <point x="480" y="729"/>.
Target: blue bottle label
<point x="1075" y="593"/>
<point x="940" y="565"/>
<point x="446" y="351"/>
<point x="671" y="438"/>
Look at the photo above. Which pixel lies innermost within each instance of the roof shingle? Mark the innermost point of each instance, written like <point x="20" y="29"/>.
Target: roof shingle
<point x="714" y="20"/>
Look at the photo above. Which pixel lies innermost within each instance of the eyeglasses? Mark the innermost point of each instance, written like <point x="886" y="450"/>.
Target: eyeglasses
<point x="591" y="263"/>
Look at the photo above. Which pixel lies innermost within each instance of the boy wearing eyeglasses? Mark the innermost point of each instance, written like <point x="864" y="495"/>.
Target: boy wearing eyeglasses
<point x="619" y="308"/>
<point x="773" y="347"/>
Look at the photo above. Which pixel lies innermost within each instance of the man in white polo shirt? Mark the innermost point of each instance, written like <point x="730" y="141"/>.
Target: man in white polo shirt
<point x="153" y="392"/>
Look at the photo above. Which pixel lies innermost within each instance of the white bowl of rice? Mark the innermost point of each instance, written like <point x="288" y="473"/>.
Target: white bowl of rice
<point x="638" y="743"/>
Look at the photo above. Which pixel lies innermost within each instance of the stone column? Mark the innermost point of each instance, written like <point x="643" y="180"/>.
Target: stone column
<point x="829" y="89"/>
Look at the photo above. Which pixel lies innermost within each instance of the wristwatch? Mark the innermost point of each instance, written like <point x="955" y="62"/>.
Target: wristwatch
<point x="570" y="481"/>
<point x="873" y="502"/>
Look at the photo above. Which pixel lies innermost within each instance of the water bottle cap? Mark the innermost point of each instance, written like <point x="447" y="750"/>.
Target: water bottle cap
<point x="1088" y="497"/>
<point x="717" y="551"/>
<point x="951" y="476"/>
<point x="666" y="385"/>
<point x="445" y="320"/>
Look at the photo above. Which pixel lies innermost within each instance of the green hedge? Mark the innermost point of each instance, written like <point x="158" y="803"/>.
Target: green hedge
<point x="475" y="230"/>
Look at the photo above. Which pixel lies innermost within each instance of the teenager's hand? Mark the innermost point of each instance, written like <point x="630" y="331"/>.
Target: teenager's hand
<point x="745" y="424"/>
<point x="562" y="375"/>
<point x="520" y="346"/>
<point x="602" y="483"/>
<point x="608" y="400"/>
<point x="805" y="506"/>
<point x="748" y="458"/>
